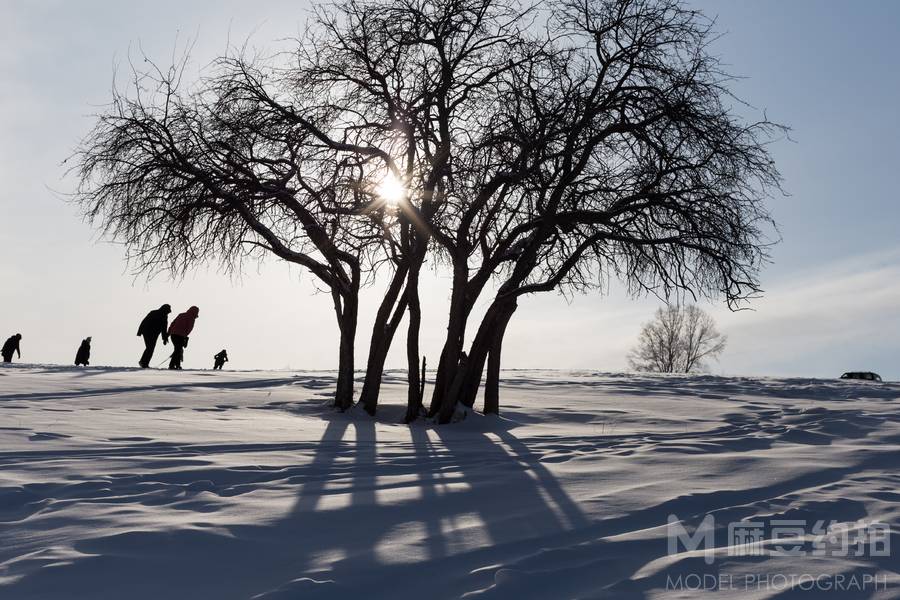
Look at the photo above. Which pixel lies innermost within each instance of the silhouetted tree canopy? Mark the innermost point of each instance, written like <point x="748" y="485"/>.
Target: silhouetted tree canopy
<point x="539" y="146"/>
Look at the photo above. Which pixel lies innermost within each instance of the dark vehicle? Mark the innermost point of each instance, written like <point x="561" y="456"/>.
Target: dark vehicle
<point x="864" y="375"/>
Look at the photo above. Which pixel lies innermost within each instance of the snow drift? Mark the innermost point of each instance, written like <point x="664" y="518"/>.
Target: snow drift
<point x="117" y="483"/>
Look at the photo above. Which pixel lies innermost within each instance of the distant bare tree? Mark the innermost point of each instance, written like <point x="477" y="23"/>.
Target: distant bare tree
<point x="679" y="339"/>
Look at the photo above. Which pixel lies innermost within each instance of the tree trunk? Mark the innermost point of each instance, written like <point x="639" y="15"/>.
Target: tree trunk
<point x="439" y="377"/>
<point x="492" y="381"/>
<point x="347" y="312"/>
<point x="422" y="381"/>
<point x="382" y="335"/>
<point x="454" y="391"/>
<point x="488" y="339"/>
<point x="456" y="330"/>
<point x="414" y="398"/>
<point x="442" y="401"/>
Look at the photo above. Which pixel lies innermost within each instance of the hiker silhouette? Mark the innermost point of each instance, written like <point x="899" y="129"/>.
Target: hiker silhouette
<point x="153" y="325"/>
<point x="179" y="332"/>
<point x="220" y="359"/>
<point x="11" y="345"/>
<point x="83" y="356"/>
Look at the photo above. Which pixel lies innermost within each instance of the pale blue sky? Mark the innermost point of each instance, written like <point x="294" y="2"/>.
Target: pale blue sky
<point x="827" y="69"/>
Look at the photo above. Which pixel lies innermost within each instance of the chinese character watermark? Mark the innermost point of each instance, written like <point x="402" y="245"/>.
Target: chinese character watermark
<point x="780" y="537"/>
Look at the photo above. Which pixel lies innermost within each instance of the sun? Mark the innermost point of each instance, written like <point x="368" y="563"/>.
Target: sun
<point x="391" y="190"/>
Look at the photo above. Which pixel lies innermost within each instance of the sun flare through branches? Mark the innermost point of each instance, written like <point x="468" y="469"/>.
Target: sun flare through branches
<point x="391" y="190"/>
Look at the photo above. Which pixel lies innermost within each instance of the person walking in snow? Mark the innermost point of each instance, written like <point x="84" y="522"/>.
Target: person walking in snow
<point x="83" y="356"/>
<point x="11" y="345"/>
<point x="220" y="359"/>
<point x="153" y="325"/>
<point x="179" y="331"/>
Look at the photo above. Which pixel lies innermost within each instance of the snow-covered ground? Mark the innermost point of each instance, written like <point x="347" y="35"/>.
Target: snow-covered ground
<point x="126" y="484"/>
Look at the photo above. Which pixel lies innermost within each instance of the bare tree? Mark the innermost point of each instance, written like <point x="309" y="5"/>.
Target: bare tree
<point x="222" y="172"/>
<point x="422" y="81"/>
<point x="679" y="339"/>
<point x="638" y="168"/>
<point x="285" y="155"/>
<point x="539" y="145"/>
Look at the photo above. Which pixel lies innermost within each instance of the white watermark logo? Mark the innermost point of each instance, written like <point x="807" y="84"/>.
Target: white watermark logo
<point x="703" y="538"/>
<point x="781" y="537"/>
<point x="822" y="582"/>
<point x="778" y="537"/>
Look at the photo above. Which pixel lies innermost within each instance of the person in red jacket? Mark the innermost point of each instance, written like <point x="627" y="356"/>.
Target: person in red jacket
<point x="179" y="331"/>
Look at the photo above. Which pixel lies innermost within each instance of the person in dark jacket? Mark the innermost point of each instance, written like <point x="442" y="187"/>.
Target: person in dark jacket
<point x="154" y="324"/>
<point x="83" y="356"/>
<point x="221" y="358"/>
<point x="11" y="345"/>
<point x="180" y="331"/>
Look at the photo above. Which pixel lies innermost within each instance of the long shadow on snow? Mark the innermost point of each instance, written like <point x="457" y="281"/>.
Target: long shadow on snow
<point x="453" y="510"/>
<point x="457" y="509"/>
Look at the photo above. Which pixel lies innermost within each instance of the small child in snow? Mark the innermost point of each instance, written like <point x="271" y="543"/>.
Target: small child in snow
<point x="221" y="358"/>
<point x="83" y="356"/>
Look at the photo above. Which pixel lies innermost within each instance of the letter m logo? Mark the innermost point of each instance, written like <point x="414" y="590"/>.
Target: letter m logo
<point x="703" y="538"/>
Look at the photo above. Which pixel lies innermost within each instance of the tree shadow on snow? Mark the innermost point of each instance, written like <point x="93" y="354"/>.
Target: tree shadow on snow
<point x="443" y="512"/>
<point x="384" y="521"/>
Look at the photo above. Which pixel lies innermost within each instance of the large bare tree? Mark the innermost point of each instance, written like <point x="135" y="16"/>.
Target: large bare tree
<point x="638" y="167"/>
<point x="424" y="82"/>
<point x="540" y="146"/>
